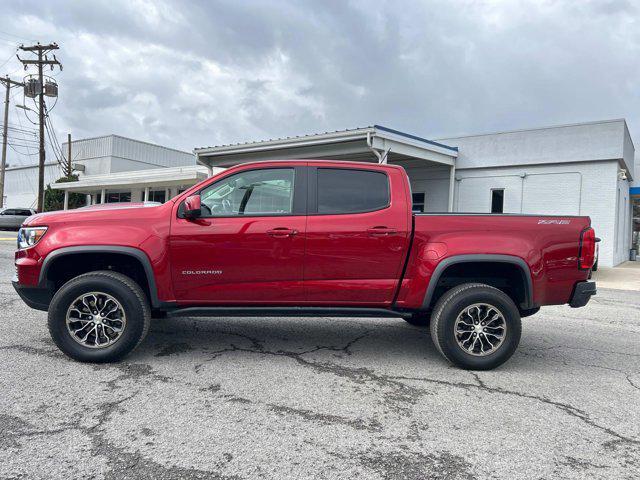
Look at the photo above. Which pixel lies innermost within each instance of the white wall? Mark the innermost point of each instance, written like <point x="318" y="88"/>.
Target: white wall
<point x="127" y="165"/>
<point x="21" y="184"/>
<point x="434" y="183"/>
<point x="587" y="188"/>
<point x="584" y="142"/>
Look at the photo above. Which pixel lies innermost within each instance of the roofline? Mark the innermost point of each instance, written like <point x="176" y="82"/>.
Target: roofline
<point x="35" y="165"/>
<point x="415" y="137"/>
<point x="130" y="139"/>
<point x="314" y="138"/>
<point x="357" y="134"/>
<point x="135" y="177"/>
<point x="548" y="127"/>
<point x="337" y="163"/>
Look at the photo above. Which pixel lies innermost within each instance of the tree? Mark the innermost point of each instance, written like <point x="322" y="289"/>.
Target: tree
<point x="54" y="199"/>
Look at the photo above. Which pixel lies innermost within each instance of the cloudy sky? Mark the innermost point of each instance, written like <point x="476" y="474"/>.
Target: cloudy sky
<point x="188" y="74"/>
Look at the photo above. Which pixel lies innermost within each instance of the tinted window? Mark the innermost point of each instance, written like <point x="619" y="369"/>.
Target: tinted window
<point x="26" y="213"/>
<point x="9" y="212"/>
<point x="254" y="192"/>
<point x="351" y="191"/>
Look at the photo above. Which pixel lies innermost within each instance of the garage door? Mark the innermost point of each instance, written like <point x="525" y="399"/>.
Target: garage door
<point x="552" y="194"/>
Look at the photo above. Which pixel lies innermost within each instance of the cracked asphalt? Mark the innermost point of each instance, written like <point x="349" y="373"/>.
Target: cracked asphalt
<point x="297" y="398"/>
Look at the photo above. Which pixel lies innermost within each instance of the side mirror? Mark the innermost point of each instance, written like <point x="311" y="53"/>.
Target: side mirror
<point x="192" y="206"/>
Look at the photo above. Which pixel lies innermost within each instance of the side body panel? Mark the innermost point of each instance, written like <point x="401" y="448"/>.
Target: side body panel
<point x="350" y="260"/>
<point x="548" y="245"/>
<point x="240" y="259"/>
<point x="236" y="261"/>
<point x="145" y="229"/>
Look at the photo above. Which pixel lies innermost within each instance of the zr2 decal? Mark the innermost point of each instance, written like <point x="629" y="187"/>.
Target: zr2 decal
<point x="554" y="222"/>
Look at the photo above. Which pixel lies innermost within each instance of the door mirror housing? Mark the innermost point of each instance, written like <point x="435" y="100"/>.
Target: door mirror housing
<point x="192" y="206"/>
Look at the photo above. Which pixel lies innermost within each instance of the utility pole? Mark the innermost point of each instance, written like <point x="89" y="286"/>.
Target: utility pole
<point x="41" y="51"/>
<point x="8" y="83"/>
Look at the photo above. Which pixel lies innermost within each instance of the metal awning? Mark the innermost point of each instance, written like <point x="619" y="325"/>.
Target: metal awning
<point x="376" y="144"/>
<point x="139" y="179"/>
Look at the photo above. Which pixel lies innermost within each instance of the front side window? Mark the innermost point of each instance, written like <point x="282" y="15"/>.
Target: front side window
<point x="253" y="192"/>
<point x="342" y="190"/>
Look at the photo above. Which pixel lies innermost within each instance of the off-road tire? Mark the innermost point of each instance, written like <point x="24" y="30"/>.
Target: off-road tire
<point x="124" y="290"/>
<point x="452" y="303"/>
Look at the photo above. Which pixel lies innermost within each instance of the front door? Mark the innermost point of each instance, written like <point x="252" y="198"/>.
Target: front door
<point x="247" y="247"/>
<point x="357" y="236"/>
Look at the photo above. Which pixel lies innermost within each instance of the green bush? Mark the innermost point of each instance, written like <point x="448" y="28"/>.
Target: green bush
<point x="54" y="199"/>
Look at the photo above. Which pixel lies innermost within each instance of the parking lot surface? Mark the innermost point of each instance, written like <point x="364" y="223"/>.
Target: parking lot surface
<point x="235" y="398"/>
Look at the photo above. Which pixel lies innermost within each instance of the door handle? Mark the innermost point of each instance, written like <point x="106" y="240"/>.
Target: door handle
<point x="282" y="232"/>
<point x="381" y="231"/>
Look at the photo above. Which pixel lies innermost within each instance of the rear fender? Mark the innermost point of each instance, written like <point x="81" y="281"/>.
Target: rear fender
<point x="523" y="267"/>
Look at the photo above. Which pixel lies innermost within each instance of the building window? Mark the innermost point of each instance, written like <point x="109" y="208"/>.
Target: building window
<point x="497" y="200"/>
<point x="157" y="196"/>
<point x="418" y="202"/>
<point x="115" y="197"/>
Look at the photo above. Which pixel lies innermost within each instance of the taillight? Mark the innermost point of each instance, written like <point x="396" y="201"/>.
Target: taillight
<point x="587" y="254"/>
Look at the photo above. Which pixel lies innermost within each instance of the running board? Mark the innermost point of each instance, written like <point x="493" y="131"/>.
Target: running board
<point x="285" y="312"/>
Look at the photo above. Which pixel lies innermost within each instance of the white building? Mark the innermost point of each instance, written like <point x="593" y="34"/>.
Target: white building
<point x="111" y="168"/>
<point x="578" y="169"/>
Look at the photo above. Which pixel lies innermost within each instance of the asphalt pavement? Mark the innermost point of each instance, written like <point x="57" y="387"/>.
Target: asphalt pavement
<point x="300" y="398"/>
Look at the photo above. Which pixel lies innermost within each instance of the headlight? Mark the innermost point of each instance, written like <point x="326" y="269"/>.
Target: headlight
<point x="28" y="237"/>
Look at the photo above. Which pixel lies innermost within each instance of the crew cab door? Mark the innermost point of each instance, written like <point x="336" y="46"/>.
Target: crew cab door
<point x="247" y="247"/>
<point x="357" y="235"/>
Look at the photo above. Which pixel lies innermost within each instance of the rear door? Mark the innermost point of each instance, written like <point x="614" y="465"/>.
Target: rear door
<point x="357" y="235"/>
<point x="248" y="245"/>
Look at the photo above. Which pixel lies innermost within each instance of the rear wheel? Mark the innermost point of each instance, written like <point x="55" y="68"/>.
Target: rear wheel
<point x="476" y="327"/>
<point x="99" y="317"/>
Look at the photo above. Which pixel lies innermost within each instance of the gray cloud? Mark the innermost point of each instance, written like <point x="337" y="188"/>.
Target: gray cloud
<point x="188" y="74"/>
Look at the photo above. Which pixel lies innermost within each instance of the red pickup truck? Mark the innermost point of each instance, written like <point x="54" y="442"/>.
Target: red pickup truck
<point x="300" y="238"/>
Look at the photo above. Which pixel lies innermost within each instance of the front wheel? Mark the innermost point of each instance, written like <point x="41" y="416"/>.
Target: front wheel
<point x="476" y="326"/>
<point x="99" y="317"/>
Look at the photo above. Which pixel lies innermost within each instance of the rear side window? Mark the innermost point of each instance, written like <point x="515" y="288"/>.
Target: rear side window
<point x="351" y="191"/>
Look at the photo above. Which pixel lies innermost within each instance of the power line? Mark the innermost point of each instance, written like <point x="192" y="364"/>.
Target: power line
<point x="9" y="59"/>
<point x="28" y="154"/>
<point x="10" y="127"/>
<point x="16" y="36"/>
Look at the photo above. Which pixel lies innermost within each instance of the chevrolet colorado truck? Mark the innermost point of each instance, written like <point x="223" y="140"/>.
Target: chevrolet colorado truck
<point x="300" y="238"/>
